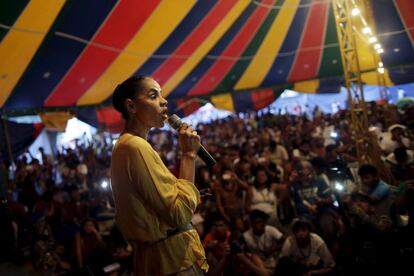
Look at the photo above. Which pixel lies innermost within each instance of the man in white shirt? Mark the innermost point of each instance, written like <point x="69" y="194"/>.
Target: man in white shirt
<point x="263" y="240"/>
<point x="304" y="253"/>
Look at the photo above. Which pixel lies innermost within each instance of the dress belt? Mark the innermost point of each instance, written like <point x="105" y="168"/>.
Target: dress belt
<point x="172" y="232"/>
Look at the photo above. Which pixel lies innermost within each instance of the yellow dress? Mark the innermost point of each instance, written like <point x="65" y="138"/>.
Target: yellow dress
<point x="149" y="200"/>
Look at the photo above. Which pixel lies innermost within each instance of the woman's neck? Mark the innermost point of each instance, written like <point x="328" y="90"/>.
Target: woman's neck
<point x="136" y="129"/>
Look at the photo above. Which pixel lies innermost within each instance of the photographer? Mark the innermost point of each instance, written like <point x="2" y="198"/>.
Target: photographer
<point x="217" y="242"/>
<point x="372" y="235"/>
<point x="238" y="261"/>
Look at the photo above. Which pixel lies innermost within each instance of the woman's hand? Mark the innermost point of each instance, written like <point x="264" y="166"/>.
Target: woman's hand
<point x="188" y="139"/>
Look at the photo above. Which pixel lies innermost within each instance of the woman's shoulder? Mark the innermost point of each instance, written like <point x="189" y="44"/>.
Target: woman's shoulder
<point x="129" y="141"/>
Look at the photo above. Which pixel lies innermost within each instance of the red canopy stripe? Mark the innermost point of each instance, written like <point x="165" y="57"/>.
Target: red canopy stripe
<point x="187" y="106"/>
<point x="306" y="65"/>
<point x="193" y="40"/>
<point x="405" y="9"/>
<point x="221" y="67"/>
<point x="110" y="118"/>
<point x="117" y="30"/>
<point x="262" y="98"/>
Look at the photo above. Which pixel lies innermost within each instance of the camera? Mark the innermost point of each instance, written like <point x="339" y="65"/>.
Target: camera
<point x="236" y="247"/>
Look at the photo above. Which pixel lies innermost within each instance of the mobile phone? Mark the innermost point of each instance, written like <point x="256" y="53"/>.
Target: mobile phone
<point x="111" y="268"/>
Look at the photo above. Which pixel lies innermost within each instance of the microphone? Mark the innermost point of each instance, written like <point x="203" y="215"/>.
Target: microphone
<point x="175" y="122"/>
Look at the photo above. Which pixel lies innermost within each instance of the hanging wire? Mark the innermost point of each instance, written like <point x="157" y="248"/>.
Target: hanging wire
<point x="211" y="57"/>
<point x="278" y="7"/>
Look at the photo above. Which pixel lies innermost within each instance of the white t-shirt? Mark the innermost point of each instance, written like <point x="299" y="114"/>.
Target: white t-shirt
<point x="264" y="200"/>
<point x="258" y="244"/>
<point x="388" y="145"/>
<point x="309" y="256"/>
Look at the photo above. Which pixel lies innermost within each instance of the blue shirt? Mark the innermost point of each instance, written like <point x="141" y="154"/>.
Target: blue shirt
<point x="309" y="192"/>
<point x="380" y="191"/>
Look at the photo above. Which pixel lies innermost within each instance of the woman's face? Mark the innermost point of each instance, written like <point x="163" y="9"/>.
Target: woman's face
<point x="88" y="227"/>
<point x="261" y="177"/>
<point x="149" y="107"/>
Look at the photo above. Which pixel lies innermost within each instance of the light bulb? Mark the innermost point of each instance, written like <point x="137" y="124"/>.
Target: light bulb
<point x="355" y="11"/>
<point x="372" y="39"/>
<point x="366" y="30"/>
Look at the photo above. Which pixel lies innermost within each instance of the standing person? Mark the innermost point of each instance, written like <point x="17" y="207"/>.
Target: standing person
<point x="153" y="207"/>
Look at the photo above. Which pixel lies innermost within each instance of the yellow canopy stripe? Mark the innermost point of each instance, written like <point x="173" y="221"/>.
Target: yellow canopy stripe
<point x="269" y="49"/>
<point x="204" y="47"/>
<point x="56" y="121"/>
<point x="224" y="101"/>
<point x="309" y="86"/>
<point x="23" y="40"/>
<point x="146" y="41"/>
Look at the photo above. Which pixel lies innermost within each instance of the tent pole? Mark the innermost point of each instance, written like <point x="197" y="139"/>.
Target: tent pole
<point x="6" y="135"/>
<point x="52" y="147"/>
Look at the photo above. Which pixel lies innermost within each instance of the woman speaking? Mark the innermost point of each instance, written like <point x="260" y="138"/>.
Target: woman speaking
<point x="153" y="207"/>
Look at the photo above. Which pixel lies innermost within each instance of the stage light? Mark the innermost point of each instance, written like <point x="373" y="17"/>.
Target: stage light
<point x="372" y="39"/>
<point x="355" y="11"/>
<point x="104" y="184"/>
<point x="366" y="30"/>
<point x="339" y="186"/>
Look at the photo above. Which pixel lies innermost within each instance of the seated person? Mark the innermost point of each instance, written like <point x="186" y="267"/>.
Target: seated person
<point x="363" y="215"/>
<point x="375" y="188"/>
<point x="217" y="242"/>
<point x="239" y="261"/>
<point x="313" y="200"/>
<point x="373" y="241"/>
<point x="304" y="253"/>
<point x="263" y="240"/>
<point x="229" y="197"/>
<point x="401" y="163"/>
<point x="90" y="248"/>
<point x="404" y="202"/>
<point x="260" y="195"/>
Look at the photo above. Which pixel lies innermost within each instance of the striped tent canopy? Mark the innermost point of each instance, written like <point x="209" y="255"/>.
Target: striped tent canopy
<point x="237" y="54"/>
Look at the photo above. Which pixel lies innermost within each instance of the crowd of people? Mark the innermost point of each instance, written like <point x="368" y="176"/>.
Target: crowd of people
<point x="286" y="197"/>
